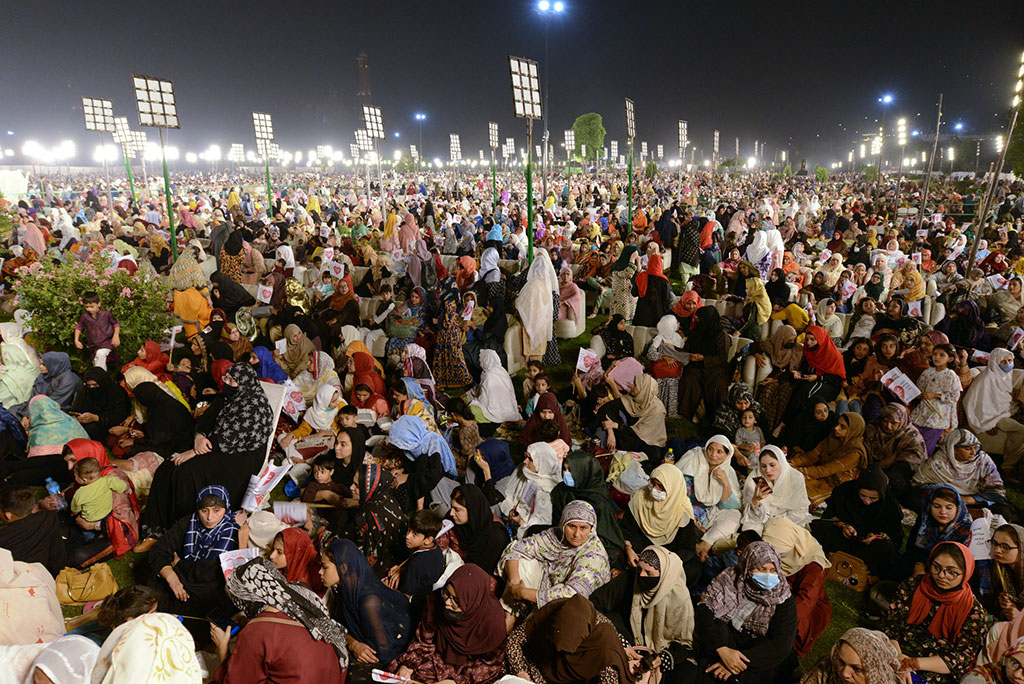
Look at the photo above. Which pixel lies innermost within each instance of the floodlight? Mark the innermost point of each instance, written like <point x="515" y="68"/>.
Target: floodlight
<point x="155" y="100"/>
<point x="570" y="140"/>
<point x="715" y="146"/>
<point x="454" y="147"/>
<point x="525" y="88"/>
<point x="236" y="153"/>
<point x="583" y="150"/>
<point x="99" y="114"/>
<point x="263" y="126"/>
<point x="122" y="134"/>
<point x="539" y="152"/>
<point x="414" y="152"/>
<point x="643" y="149"/>
<point x="481" y="155"/>
<point x="661" y="151"/>
<point x="374" y="122"/>
<point x="615" y="149"/>
<point x="949" y="154"/>
<point x="353" y="149"/>
<point x="683" y="141"/>
<point x="492" y="134"/>
<point x="630" y="120"/>
<point x="901" y="132"/>
<point x="999" y="143"/>
<point x="363" y="140"/>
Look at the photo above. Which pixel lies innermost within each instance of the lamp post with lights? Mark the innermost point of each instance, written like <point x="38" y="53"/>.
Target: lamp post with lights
<point x="420" y="118"/>
<point x="630" y="134"/>
<point x="931" y="165"/>
<point x="364" y="145"/>
<point x="901" y="140"/>
<point x="264" y="129"/>
<point x="123" y="137"/>
<point x="155" y="100"/>
<point x="492" y="139"/>
<point x="547" y="9"/>
<point x="983" y="216"/>
<point x="99" y="117"/>
<point x="683" y="142"/>
<point x="526" y="99"/>
<point x="375" y="131"/>
<point x="714" y="167"/>
<point x="455" y="154"/>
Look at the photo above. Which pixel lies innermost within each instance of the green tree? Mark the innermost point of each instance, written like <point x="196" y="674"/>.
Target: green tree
<point x="787" y="171"/>
<point x="651" y="170"/>
<point x="730" y="163"/>
<point x="589" y="130"/>
<point x="820" y="174"/>
<point x="871" y="174"/>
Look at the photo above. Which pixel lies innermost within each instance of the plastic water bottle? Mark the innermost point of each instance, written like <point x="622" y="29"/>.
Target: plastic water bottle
<point x="54" y="489"/>
<point x="670" y="456"/>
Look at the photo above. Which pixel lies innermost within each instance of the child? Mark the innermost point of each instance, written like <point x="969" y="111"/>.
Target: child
<point x="416" y="576"/>
<point x="384" y="307"/>
<point x="102" y="332"/>
<point x="466" y="438"/>
<point x="940" y="394"/>
<point x="541" y="385"/>
<point x="323" y="488"/>
<point x="348" y="419"/>
<point x="533" y="369"/>
<point x="32" y="536"/>
<point x="748" y="438"/>
<point x="325" y="288"/>
<point x="94" y="499"/>
<point x="182" y="379"/>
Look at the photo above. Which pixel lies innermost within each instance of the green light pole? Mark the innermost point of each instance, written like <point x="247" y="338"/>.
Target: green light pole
<point x="263" y="127"/>
<point x="167" y="197"/>
<point x="526" y="97"/>
<point x="128" y="170"/>
<point x="529" y="190"/>
<point x="155" y="99"/>
<point x="492" y="136"/>
<point x="630" y="133"/>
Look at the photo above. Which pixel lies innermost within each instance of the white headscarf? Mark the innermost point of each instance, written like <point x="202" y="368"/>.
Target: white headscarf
<point x="535" y="304"/>
<point x="489" y="272"/>
<point x="495" y="395"/>
<point x="706" y="489"/>
<point x="789" y="491"/>
<point x="68" y="660"/>
<point x="758" y="247"/>
<point x="668" y="328"/>
<point x="989" y="398"/>
<point x="549" y="466"/>
<point x="151" y="648"/>
<point x="284" y="252"/>
<point x="320" y="416"/>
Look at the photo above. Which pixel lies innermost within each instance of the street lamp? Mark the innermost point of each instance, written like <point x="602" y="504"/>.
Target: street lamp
<point x="714" y="167"/>
<point x="683" y="143"/>
<point x="99" y="117"/>
<point x="630" y="134"/>
<point x="526" y="99"/>
<point x="123" y="137"/>
<point x="901" y="140"/>
<point x="154" y="98"/>
<point x="547" y="9"/>
<point x="364" y="145"/>
<point x="375" y="130"/>
<point x="492" y="138"/>
<point x="264" y="129"/>
<point x="420" y="118"/>
<point x="454" y="151"/>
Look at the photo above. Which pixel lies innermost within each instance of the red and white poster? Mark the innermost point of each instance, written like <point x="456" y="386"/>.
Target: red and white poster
<point x="264" y="293"/>
<point x="897" y="382"/>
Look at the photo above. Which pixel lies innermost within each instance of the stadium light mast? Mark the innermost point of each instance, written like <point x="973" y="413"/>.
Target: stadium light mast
<point x="492" y="138"/>
<point x="375" y="131"/>
<point x="526" y="98"/>
<point x="154" y="98"/>
<point x="99" y="117"/>
<point x="630" y="134"/>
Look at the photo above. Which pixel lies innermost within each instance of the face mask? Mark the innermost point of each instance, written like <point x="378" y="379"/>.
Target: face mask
<point x="452" y="615"/>
<point x="766" y="580"/>
<point x="1006" y="368"/>
<point x="657" y="494"/>
<point x="567" y="479"/>
<point x="646" y="584"/>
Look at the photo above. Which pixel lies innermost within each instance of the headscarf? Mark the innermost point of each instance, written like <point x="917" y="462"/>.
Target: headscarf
<point x="20" y="372"/>
<point x="648" y="409"/>
<point x="246" y="420"/>
<point x="258" y="585"/>
<point x="789" y="490"/>
<point x="302" y="557"/>
<point x="904" y="444"/>
<point x="482" y="628"/>
<point x="989" y="398"/>
<point x="733" y="597"/>
<point x="667" y="332"/>
<point x="879" y="660"/>
<point x="589" y="485"/>
<point x="623" y="261"/>
<point x="679" y="307"/>
<point x="154" y="647"/>
<point x="296" y="355"/>
<point x="186" y="272"/>
<point x="241" y="347"/>
<point x="825" y="358"/>
<point x="654" y="270"/>
<point x="664" y="615"/>
<point x="482" y="539"/>
<point x="50" y="428"/>
<point x="834" y="448"/>
<point x="781" y="357"/>
<point x="569" y="295"/>
<point x="796" y="545"/>
<point x="953" y="606"/>
<point x="464" y="276"/>
<point x="68" y="660"/>
<point x="202" y="543"/>
<point x="268" y="368"/>
<point x="549" y="467"/>
<point x="943" y="467"/>
<point x="495" y="395"/>
<point x="661" y="520"/>
<point x="410" y="434"/>
<point x="928" y="532"/>
<point x="531" y="431"/>
<point x="707" y="490"/>
<point x="364" y="373"/>
<point x="320" y="415"/>
<point x="535" y="301"/>
<point x="489" y="272"/>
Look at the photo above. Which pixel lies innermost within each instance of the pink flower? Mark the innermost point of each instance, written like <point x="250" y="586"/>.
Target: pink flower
<point x="126" y="292"/>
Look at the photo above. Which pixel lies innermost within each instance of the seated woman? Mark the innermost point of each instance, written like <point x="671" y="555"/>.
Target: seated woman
<point x="293" y="554"/>
<point x="804" y="565"/>
<point x="746" y="621"/>
<point x="866" y="388"/>
<point x="166" y="428"/>
<point x="660" y="514"/>
<point x="713" y="490"/>
<point x="461" y="637"/>
<point x="527" y="490"/>
<point x="377" y="524"/>
<point x="1003" y="670"/>
<point x="583" y="480"/>
<point x="288" y="632"/>
<point x="650" y="607"/>
<point x="152" y="359"/>
<point x="643" y="428"/>
<point x="428" y="458"/>
<point x="104" y="404"/>
<point x="319" y="420"/>
<point x="1003" y="596"/>
<point x="772" y="370"/>
<point x="706" y="376"/>
<point x="835" y="460"/>
<point x="936" y="621"/>
<point x="665" y="368"/>
<point x="895" y="320"/>
<point x="556" y="563"/>
<point x="863" y="518"/>
<point x="943" y="517"/>
<point x="68" y="660"/>
<point x="989" y="406"/>
<point x="49" y="429"/>
<point x="959" y="462"/>
<point x="896" y="446"/>
<point x="296" y="355"/>
<point x="821" y="374"/>
<point x="860" y="656"/>
<point x="57" y="381"/>
<point x="376" y="617"/>
<point x="185" y="563"/>
<point x="618" y="343"/>
<point x="155" y="646"/>
<point x="479" y="538"/>
<point x="568" y="641"/>
<point x="408" y="399"/>
<point x="774" y="489"/>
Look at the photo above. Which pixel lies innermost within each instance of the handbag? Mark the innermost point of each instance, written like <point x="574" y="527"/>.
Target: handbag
<point x="848" y="570"/>
<point x="78" y="586"/>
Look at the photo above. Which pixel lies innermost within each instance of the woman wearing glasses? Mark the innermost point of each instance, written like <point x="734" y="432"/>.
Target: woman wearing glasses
<point x="935" y="621"/>
<point x="1005" y="595"/>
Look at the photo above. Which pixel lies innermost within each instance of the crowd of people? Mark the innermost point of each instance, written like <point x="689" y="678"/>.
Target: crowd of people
<point x="790" y="383"/>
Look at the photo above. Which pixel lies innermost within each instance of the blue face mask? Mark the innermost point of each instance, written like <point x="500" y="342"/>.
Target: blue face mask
<point x="1006" y="368"/>
<point x="766" y="580"/>
<point x="567" y="479"/>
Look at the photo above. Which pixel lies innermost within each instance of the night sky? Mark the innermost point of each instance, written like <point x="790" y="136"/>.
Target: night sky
<point x="803" y="76"/>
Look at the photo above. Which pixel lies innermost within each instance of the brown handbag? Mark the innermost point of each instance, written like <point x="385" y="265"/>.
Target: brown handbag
<point x="848" y="570"/>
<point x="77" y="586"/>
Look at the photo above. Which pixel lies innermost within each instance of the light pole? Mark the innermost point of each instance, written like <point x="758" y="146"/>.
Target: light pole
<point x="547" y="9"/>
<point x="363" y="141"/>
<point x="123" y="137"/>
<point x="683" y="142"/>
<point x="492" y="138"/>
<point x="901" y="140"/>
<point x="526" y="98"/>
<point x="375" y="130"/>
<point x="630" y="134"/>
<point x="99" y="117"/>
<point x="931" y="163"/>
<point x="714" y="167"/>
<point x="155" y="100"/>
<point x="264" y="129"/>
<point x="420" y="118"/>
<point x="884" y="100"/>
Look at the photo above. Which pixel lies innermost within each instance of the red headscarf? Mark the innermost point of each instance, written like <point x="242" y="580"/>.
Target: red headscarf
<point x="953" y="606"/>
<point x="482" y="629"/>
<point x="155" y="363"/>
<point x="653" y="269"/>
<point x="362" y="363"/>
<point x="678" y="310"/>
<point x="338" y="300"/>
<point x="531" y="431"/>
<point x="825" y="358"/>
<point x="303" y="560"/>
<point x="218" y="370"/>
<point x="87" y="448"/>
<point x="705" y="234"/>
<point x="464" y="275"/>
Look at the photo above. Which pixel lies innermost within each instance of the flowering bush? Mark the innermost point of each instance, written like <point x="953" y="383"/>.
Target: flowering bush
<point x="52" y="294"/>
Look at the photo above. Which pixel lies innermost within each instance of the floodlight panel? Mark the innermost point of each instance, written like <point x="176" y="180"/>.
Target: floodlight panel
<point x="615" y="148"/>
<point x="525" y="88"/>
<point x="353" y="149"/>
<point x="492" y="134"/>
<point x="374" y="122"/>
<point x="155" y="100"/>
<point x="122" y="134"/>
<point x="363" y="140"/>
<point x="643" y="148"/>
<point x="99" y="114"/>
<point x="263" y="126"/>
<point x="661" y="151"/>
<point x="414" y="152"/>
<point x="630" y="119"/>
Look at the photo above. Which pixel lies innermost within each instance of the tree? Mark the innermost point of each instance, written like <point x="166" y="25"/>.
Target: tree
<point x="589" y="130"/>
<point x="651" y="170"/>
<point x="820" y="174"/>
<point x="787" y="171"/>
<point x="871" y="174"/>
<point x="730" y="163"/>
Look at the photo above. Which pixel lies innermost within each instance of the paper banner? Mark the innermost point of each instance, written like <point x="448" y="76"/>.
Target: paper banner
<point x="229" y="560"/>
<point x="290" y="512"/>
<point x="264" y="293"/>
<point x="914" y="309"/>
<point x="262" y="484"/>
<point x="328" y="253"/>
<point x="337" y="270"/>
<point x="281" y="346"/>
<point x="587" y="359"/>
<point x="897" y="382"/>
<point x="922" y="233"/>
<point x="325" y="232"/>
<point x="997" y="281"/>
<point x="980" y="356"/>
<point x="1016" y="337"/>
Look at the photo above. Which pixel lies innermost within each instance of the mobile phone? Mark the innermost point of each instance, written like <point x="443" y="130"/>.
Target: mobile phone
<point x="761" y="482"/>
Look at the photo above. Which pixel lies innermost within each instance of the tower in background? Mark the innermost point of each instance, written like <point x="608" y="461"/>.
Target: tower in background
<point x="364" y="96"/>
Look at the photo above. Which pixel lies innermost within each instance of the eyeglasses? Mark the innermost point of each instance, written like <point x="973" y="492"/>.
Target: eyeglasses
<point x="1012" y="665"/>
<point x="949" y="573"/>
<point x="1000" y="546"/>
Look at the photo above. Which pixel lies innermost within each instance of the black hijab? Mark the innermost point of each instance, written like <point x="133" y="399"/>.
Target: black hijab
<point x="233" y="246"/>
<point x="346" y="474"/>
<point x="707" y="336"/>
<point x="881" y="517"/>
<point x="169" y="425"/>
<point x="778" y="290"/>
<point x="108" y="401"/>
<point x="482" y="539"/>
